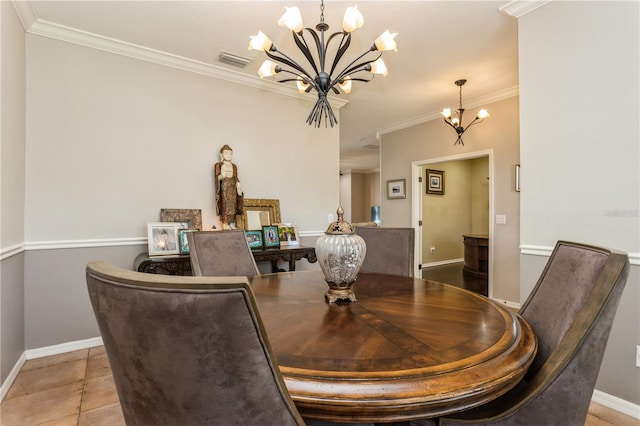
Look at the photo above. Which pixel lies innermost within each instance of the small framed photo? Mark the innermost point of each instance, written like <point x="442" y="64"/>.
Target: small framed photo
<point x="254" y="238"/>
<point x="192" y="217"/>
<point x="162" y="238"/>
<point x="396" y="189"/>
<point x="288" y="234"/>
<point x="435" y="182"/>
<point x="270" y="234"/>
<point x="182" y="239"/>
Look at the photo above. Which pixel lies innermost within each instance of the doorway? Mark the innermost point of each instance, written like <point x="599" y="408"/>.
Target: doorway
<point x="464" y="207"/>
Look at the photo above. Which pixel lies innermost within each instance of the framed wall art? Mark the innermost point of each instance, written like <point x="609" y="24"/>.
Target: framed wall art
<point x="396" y="189"/>
<point x="162" y="238"/>
<point x="270" y="235"/>
<point x="192" y="217"/>
<point x="254" y="238"/>
<point x="435" y="182"/>
<point x="288" y="234"/>
<point x="182" y="240"/>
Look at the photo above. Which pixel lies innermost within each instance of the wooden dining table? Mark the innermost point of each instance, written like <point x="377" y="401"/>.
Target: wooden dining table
<point x="407" y="349"/>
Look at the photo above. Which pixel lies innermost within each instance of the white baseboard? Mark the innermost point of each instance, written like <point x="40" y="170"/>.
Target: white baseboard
<point x="617" y="404"/>
<point x="441" y="263"/>
<point x="64" y="348"/>
<point x="507" y="303"/>
<point x="4" y="389"/>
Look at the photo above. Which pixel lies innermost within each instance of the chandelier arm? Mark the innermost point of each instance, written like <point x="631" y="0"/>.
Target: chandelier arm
<point x="355" y="68"/>
<point x="304" y="47"/>
<point x="321" y="109"/>
<point x="451" y="124"/>
<point x="284" y="59"/>
<point x="345" y="42"/>
<point x="475" y="121"/>
<point x="307" y="80"/>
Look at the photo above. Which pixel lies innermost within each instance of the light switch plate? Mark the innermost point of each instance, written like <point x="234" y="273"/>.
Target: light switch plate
<point x="501" y="219"/>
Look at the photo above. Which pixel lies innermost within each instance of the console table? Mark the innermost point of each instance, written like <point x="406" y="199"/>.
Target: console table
<point x="476" y="255"/>
<point x="181" y="264"/>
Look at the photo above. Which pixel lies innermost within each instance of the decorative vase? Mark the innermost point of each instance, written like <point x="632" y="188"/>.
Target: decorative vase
<point x="340" y="254"/>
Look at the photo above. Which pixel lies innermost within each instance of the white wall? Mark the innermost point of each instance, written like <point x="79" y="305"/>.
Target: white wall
<point x="111" y="140"/>
<point x="12" y="172"/>
<point x="580" y="152"/>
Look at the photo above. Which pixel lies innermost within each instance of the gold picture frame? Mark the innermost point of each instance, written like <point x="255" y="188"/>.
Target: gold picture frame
<point x="264" y="212"/>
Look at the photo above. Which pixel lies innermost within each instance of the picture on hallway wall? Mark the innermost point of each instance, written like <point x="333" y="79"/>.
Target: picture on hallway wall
<point x="435" y="182"/>
<point x="396" y="189"/>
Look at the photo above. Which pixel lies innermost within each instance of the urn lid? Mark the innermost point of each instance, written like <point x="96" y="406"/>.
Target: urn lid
<point x="339" y="227"/>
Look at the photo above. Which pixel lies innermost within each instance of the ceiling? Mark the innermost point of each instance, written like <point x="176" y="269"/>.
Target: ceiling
<point x="438" y="42"/>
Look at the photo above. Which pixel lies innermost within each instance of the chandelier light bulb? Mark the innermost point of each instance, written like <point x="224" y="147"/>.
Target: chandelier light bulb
<point x="292" y="19"/>
<point x="345" y="85"/>
<point x="482" y="114"/>
<point x="302" y="85"/>
<point x="386" y="42"/>
<point x="352" y="20"/>
<point x="268" y="68"/>
<point x="446" y="113"/>
<point x="378" y="67"/>
<point x="260" y="42"/>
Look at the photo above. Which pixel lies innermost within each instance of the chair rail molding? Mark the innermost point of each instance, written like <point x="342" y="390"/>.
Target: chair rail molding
<point x="634" y="258"/>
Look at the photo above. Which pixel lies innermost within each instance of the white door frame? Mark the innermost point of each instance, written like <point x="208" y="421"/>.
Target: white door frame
<point x="416" y="204"/>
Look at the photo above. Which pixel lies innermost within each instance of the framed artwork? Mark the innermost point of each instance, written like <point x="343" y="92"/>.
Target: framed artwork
<point x="396" y="189"/>
<point x="517" y="178"/>
<point x="182" y="239"/>
<point x="270" y="234"/>
<point x="435" y="182"/>
<point x="254" y="238"/>
<point x="162" y="238"/>
<point x="192" y="217"/>
<point x="288" y="234"/>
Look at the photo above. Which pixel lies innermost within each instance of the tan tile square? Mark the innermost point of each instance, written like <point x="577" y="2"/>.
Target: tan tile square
<point x="49" y="377"/>
<point x="55" y="359"/>
<point x="99" y="392"/>
<point x="41" y="407"/>
<point x="599" y="415"/>
<point x="109" y="415"/>
<point x="65" y="421"/>
<point x="98" y="366"/>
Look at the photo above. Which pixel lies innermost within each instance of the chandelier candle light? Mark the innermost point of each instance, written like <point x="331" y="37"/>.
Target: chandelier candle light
<point x="456" y="122"/>
<point x="321" y="80"/>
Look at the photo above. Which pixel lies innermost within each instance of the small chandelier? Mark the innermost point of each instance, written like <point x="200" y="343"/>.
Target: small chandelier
<point x="456" y="122"/>
<point x="322" y="80"/>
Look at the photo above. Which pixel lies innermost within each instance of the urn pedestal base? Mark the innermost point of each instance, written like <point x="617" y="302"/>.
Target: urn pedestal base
<point x="336" y="294"/>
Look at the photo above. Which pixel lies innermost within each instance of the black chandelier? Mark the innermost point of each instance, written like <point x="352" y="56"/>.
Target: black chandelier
<point x="321" y="80"/>
<point x="456" y="122"/>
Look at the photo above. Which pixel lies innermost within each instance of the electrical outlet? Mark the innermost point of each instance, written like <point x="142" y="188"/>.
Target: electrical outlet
<point x="330" y="218"/>
<point x="638" y="356"/>
<point x="433" y="248"/>
<point x="501" y="219"/>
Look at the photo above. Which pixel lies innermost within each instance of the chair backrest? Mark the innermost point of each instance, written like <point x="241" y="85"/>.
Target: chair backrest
<point x="389" y="250"/>
<point x="187" y="350"/>
<point x="571" y="310"/>
<point x="221" y="253"/>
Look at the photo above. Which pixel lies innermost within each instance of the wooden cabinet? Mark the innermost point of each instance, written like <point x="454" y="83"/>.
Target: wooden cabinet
<point x="476" y="255"/>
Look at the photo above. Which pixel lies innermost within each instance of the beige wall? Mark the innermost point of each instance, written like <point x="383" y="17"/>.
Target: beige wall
<point x="580" y="150"/>
<point x="434" y="140"/>
<point x="463" y="209"/>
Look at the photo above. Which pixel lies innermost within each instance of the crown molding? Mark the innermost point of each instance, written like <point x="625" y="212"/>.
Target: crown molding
<point x="44" y="28"/>
<point x="477" y="102"/>
<point x="519" y="8"/>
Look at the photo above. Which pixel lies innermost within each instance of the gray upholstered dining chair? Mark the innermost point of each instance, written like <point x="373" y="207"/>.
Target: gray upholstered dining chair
<point x="571" y="310"/>
<point x="221" y="253"/>
<point x="389" y="250"/>
<point x="188" y="350"/>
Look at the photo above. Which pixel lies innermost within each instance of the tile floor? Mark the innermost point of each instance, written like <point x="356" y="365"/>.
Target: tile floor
<point x="77" y="389"/>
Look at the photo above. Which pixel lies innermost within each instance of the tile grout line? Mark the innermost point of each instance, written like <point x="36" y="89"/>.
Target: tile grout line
<point x="84" y="385"/>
